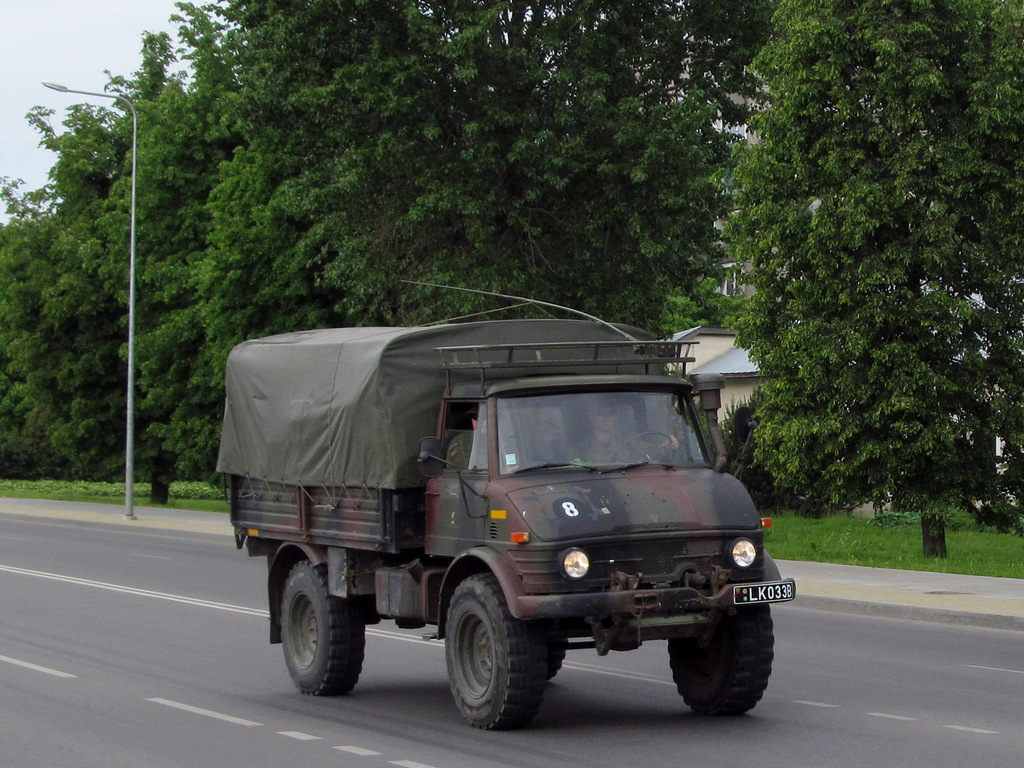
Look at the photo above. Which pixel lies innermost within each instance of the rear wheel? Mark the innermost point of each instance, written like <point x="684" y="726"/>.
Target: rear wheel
<point x="497" y="664"/>
<point x="324" y="637"/>
<point x="730" y="674"/>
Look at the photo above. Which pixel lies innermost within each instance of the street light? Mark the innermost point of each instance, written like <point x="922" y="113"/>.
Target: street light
<point x="129" y="451"/>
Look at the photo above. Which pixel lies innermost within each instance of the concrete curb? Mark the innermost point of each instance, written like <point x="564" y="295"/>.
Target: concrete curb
<point x="909" y="612"/>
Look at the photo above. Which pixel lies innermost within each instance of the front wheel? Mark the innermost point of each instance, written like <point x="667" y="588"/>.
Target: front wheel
<point x="728" y="675"/>
<point x="497" y="664"/>
<point x="324" y="637"/>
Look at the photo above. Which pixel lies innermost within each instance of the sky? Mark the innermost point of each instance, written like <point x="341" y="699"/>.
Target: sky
<point x="71" y="42"/>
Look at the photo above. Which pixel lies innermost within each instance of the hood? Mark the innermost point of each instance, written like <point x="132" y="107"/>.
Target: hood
<point x="575" y="503"/>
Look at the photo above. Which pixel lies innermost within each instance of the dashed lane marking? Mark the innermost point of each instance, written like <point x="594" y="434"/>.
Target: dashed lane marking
<point x="36" y="667"/>
<point x="205" y="712"/>
<point x="357" y="751"/>
<point x="969" y="729"/>
<point x="299" y="735"/>
<point x="996" y="669"/>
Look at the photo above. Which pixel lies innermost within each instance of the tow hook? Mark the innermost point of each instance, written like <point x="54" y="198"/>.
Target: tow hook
<point x="624" y="582"/>
<point x="645" y="601"/>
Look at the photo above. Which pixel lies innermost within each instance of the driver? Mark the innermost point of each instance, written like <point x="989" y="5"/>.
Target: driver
<point x="605" y="433"/>
<point x="613" y="437"/>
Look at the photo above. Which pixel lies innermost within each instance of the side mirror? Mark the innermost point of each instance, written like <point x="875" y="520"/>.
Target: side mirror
<point x="431" y="462"/>
<point x="744" y="424"/>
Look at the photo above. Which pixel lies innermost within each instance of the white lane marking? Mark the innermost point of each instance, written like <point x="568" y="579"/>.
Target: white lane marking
<point x="299" y="735"/>
<point x="204" y="712"/>
<point x="888" y="716"/>
<point x="408" y="764"/>
<point x="996" y="669"/>
<point x="36" y="667"/>
<point x="358" y="751"/>
<point x="134" y="591"/>
<point x="615" y="673"/>
<point x="969" y="730"/>
<point x="404" y="638"/>
<point x="821" y="704"/>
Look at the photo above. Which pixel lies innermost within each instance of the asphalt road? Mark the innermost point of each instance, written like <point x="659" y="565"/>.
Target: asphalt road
<point x="136" y="647"/>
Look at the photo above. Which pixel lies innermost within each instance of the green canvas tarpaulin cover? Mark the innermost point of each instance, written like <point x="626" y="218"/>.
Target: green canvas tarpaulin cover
<point x="347" y="406"/>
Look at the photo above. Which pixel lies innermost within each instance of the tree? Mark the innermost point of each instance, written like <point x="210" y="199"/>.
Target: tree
<point x="568" y="151"/>
<point x="63" y="264"/>
<point x="63" y="314"/>
<point x="706" y="306"/>
<point x="190" y="133"/>
<point x="882" y="211"/>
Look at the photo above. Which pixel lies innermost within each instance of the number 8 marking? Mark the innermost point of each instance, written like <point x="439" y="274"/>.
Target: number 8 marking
<point x="570" y="509"/>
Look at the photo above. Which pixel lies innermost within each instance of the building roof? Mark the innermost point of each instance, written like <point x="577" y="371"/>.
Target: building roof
<point x="736" y="362"/>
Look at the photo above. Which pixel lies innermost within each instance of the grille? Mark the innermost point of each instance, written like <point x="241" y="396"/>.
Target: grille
<point x="656" y="560"/>
<point x="659" y="560"/>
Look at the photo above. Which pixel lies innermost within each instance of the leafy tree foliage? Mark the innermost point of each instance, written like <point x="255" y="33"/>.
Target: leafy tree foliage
<point x="190" y="133"/>
<point x="318" y="152"/>
<point x="64" y="264"/>
<point x="706" y="306"/>
<point x="882" y="209"/>
<point x="565" y="150"/>
<point x="64" y="297"/>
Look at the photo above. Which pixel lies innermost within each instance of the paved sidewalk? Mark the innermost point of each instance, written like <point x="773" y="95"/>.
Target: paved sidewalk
<point x="977" y="601"/>
<point x="942" y="597"/>
<point x="145" y="517"/>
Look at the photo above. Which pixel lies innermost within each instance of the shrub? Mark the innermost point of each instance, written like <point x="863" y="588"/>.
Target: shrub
<point x="26" y="458"/>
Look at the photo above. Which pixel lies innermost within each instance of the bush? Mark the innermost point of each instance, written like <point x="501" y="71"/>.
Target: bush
<point x="765" y="490"/>
<point x="26" y="458"/>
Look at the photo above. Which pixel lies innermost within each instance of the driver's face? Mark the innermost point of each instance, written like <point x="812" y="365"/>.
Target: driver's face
<point x="603" y="420"/>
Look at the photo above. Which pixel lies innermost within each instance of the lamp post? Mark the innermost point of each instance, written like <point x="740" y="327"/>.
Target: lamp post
<point x="129" y="451"/>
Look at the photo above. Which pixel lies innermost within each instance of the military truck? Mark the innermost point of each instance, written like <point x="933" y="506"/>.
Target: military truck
<point x="522" y="488"/>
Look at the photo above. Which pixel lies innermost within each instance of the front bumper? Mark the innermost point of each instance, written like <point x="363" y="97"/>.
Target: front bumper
<point x="677" y="601"/>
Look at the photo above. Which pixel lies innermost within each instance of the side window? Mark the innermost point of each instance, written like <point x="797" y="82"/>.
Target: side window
<point x="465" y="436"/>
<point x="478" y="453"/>
<point x="689" y="440"/>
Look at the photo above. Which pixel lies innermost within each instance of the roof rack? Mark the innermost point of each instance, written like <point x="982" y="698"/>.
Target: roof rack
<point x="560" y="356"/>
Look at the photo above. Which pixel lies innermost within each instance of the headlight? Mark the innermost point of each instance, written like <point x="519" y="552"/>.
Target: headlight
<point x="743" y="552"/>
<point x="575" y="563"/>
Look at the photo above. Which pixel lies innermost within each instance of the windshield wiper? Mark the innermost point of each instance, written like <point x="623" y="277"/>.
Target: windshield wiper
<point x="632" y="465"/>
<point x="556" y="465"/>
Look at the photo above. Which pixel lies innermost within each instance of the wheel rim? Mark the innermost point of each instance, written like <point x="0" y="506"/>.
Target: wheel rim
<point x="302" y="631"/>
<point x="476" y="660"/>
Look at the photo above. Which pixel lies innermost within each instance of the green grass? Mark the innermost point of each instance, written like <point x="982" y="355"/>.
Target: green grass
<point x="856" y="541"/>
<point x="184" y="495"/>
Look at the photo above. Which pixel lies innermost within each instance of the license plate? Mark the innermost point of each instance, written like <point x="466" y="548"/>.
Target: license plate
<point x="768" y="592"/>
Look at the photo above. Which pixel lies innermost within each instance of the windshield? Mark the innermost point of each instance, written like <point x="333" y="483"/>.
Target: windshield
<point x="596" y="430"/>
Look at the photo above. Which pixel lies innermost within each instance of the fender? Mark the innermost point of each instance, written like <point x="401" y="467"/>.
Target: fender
<point x="474" y="561"/>
<point x="279" y="565"/>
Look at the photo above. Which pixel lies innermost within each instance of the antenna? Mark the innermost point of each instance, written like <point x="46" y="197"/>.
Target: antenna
<point x="528" y="301"/>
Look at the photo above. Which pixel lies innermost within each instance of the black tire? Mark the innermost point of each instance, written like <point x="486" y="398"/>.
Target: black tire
<point x="324" y="637"/>
<point x="556" y="655"/>
<point x="497" y="664"/>
<point x="729" y="676"/>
